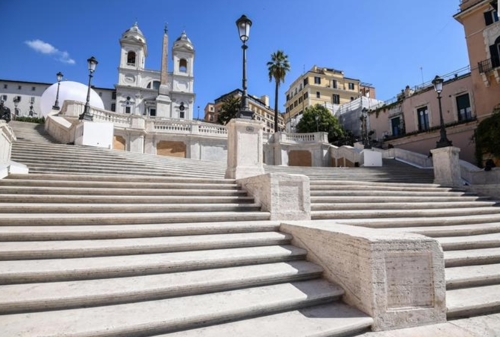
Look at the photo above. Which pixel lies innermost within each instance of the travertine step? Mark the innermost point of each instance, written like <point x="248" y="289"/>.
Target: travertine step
<point x="471" y="257"/>
<point x="380" y="187"/>
<point x="119" y="191"/>
<point x="384" y="193"/>
<point x="29" y="271"/>
<point x="472" y="276"/>
<point x="470" y="242"/>
<point x="450" y="220"/>
<point x="473" y="301"/>
<point x="73" y="294"/>
<point x="394" y="199"/>
<point x="452" y="230"/>
<point x="114" y="247"/>
<point x="121" y="231"/>
<point x="399" y="205"/>
<point x="402" y="213"/>
<point x="79" y="219"/>
<point x="126" y="208"/>
<point x="332" y="320"/>
<point x="123" y="199"/>
<point x="391" y="185"/>
<point x="168" y="315"/>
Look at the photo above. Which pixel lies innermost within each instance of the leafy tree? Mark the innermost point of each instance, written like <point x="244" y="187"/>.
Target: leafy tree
<point x="318" y="118"/>
<point x="277" y="67"/>
<point x="487" y="137"/>
<point x="229" y="109"/>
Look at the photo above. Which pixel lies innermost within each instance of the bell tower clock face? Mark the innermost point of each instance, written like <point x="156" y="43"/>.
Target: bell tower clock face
<point x="182" y="85"/>
<point x="129" y="78"/>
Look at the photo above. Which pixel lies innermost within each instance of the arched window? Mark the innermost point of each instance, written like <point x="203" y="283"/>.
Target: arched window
<point x="183" y="65"/>
<point x="154" y="85"/>
<point x="495" y="53"/>
<point x="131" y="58"/>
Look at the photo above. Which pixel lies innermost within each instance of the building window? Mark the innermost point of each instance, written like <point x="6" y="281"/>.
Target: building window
<point x="113" y="106"/>
<point x="100" y="93"/>
<point x="4" y="98"/>
<point x="127" y="109"/>
<point x="351" y="86"/>
<point x="317" y="80"/>
<point x="295" y="104"/>
<point x="154" y="85"/>
<point x="300" y="99"/>
<point x="5" y="86"/>
<point x="335" y="99"/>
<point x="113" y="95"/>
<point x="490" y="17"/>
<point x="318" y="94"/>
<point x="32" y="99"/>
<point x="152" y="112"/>
<point x="423" y="118"/>
<point x="131" y="58"/>
<point x="306" y="94"/>
<point x="33" y="88"/>
<point x="396" y="126"/>
<point x="183" y="65"/>
<point x="306" y="81"/>
<point x="463" y="107"/>
<point x="19" y="87"/>
<point x="334" y="84"/>
<point x="287" y="97"/>
<point x="495" y="53"/>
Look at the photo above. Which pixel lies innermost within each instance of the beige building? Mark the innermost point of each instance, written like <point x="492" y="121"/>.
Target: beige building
<point x="482" y="34"/>
<point x="412" y="122"/>
<point x="325" y="86"/>
<point x="259" y="105"/>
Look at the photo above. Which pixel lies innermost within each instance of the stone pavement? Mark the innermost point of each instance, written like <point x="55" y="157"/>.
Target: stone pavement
<point x="480" y="326"/>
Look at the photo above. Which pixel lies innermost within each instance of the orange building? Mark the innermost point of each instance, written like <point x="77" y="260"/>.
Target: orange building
<point x="482" y="34"/>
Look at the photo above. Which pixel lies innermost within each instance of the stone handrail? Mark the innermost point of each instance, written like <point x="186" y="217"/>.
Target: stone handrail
<point x="60" y="129"/>
<point x="409" y="157"/>
<point x="347" y="152"/>
<point x="7" y="136"/>
<point x="316" y="137"/>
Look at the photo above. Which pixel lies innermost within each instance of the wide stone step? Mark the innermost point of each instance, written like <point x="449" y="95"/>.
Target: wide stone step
<point x="73" y="294"/>
<point x="470" y="257"/>
<point x="55" y="270"/>
<point x="123" y="199"/>
<point x="472" y="276"/>
<point x="116" y="184"/>
<point x="51" y="219"/>
<point x="376" y="187"/>
<point x="371" y="214"/>
<point x="98" y="232"/>
<point x="90" y="248"/>
<point x="384" y="193"/>
<point x="369" y="184"/>
<point x="473" y="301"/>
<point x="120" y="191"/>
<point x="120" y="178"/>
<point x="333" y="320"/>
<point x="126" y="208"/>
<point x="168" y="315"/>
<point x="451" y="220"/>
<point x="470" y="241"/>
<point x="452" y="230"/>
<point x="399" y="205"/>
<point x="394" y="199"/>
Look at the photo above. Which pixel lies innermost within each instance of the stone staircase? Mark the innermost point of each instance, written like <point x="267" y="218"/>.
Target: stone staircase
<point x="89" y="254"/>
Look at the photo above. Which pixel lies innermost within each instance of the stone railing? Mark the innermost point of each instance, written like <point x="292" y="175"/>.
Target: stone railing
<point x="74" y="109"/>
<point x="409" y="157"/>
<point x="60" y="129"/>
<point x="6" y="138"/>
<point x="316" y="137"/>
<point x="345" y="152"/>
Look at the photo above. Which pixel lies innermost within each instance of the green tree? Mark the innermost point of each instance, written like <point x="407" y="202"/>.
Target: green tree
<point x="318" y="118"/>
<point x="487" y="138"/>
<point x="229" y="109"/>
<point x="277" y="67"/>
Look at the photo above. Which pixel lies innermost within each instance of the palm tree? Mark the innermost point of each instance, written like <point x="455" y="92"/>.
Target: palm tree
<point x="278" y="67"/>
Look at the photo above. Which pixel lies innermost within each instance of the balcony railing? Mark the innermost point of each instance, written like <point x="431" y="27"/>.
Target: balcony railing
<point x="488" y="65"/>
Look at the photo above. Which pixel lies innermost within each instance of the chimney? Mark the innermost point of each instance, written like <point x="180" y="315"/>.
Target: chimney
<point x="265" y="99"/>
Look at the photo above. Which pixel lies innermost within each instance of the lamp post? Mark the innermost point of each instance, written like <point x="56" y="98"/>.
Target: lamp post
<point x="59" y="79"/>
<point x="244" y="24"/>
<point x="86" y="115"/>
<point x="443" y="141"/>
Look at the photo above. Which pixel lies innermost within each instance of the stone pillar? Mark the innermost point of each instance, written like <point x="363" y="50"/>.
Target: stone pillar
<point x="285" y="196"/>
<point x="244" y="148"/>
<point x="396" y="278"/>
<point x="446" y="166"/>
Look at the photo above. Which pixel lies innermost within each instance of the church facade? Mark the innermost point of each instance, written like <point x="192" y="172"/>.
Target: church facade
<point x="155" y="93"/>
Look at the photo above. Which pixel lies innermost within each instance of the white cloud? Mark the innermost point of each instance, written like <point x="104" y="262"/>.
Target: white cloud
<point x="46" y="48"/>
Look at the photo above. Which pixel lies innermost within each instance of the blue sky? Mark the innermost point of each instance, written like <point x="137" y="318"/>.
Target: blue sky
<point x="388" y="43"/>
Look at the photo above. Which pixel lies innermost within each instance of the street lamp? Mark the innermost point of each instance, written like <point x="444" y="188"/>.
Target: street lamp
<point x="86" y="115"/>
<point x="244" y="24"/>
<point x="59" y="79"/>
<point x="438" y="86"/>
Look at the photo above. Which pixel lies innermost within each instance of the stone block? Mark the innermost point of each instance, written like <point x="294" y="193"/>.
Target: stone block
<point x="398" y="279"/>
<point x="285" y="196"/>
<point x="446" y="166"/>
<point x="94" y="134"/>
<point x="371" y="158"/>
